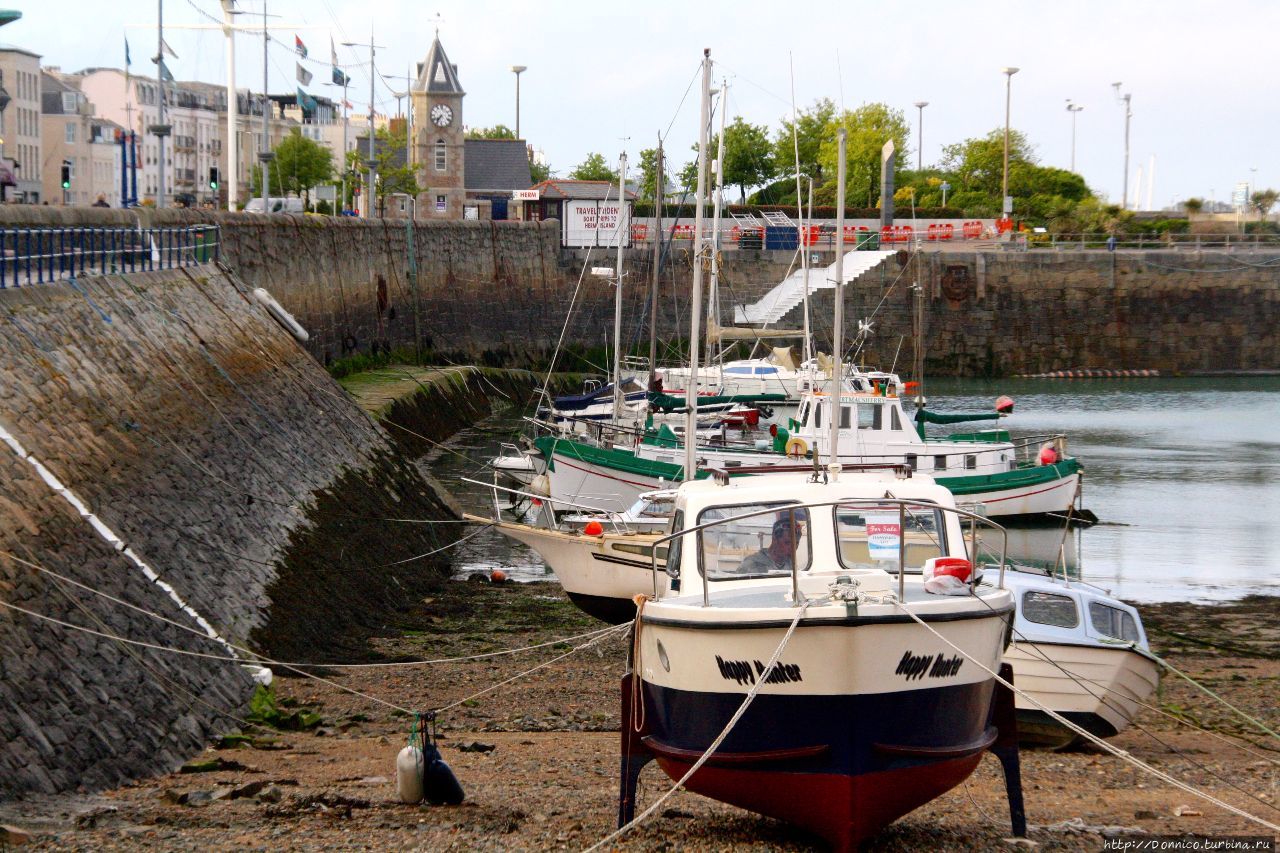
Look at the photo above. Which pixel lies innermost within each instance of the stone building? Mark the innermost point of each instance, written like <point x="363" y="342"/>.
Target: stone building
<point x="71" y="133"/>
<point x="439" y="148"/>
<point x="20" y="123"/>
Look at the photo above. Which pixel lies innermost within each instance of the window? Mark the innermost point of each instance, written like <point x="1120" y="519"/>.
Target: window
<point x="1047" y="608"/>
<point x="71" y="133"/>
<point x="869" y="416"/>
<point x="1113" y="622"/>
<point x="440" y="204"/>
<point x="759" y="546"/>
<point x="846" y="416"/>
<point x="971" y="462"/>
<point x="896" y="420"/>
<point x="872" y="535"/>
<point x="442" y="156"/>
<point x="940" y="462"/>
<point x="68" y="102"/>
<point x="912" y="461"/>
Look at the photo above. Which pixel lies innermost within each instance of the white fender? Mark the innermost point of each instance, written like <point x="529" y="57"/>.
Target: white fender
<point x="283" y="317"/>
<point x="409" y="767"/>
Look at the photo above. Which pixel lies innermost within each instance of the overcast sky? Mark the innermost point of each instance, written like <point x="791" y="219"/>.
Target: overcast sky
<point x="607" y="76"/>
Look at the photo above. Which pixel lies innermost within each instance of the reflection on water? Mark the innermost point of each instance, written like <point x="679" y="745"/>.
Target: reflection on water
<point x="1184" y="475"/>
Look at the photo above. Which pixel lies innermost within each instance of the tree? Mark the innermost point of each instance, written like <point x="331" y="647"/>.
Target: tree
<point x="394" y="175"/>
<point x="1193" y="206"/>
<point x="594" y="168"/>
<point x="748" y="156"/>
<point x="868" y="127"/>
<point x="300" y="164"/>
<point x="811" y="127"/>
<point x="978" y="164"/>
<point x="1262" y="201"/>
<point x="498" y="131"/>
<point x="649" y="174"/>
<point x="539" y="172"/>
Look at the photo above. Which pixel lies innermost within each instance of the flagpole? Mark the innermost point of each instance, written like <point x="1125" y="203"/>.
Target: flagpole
<point x="160" y="130"/>
<point x="233" y="109"/>
<point x="264" y="154"/>
<point x="343" y="159"/>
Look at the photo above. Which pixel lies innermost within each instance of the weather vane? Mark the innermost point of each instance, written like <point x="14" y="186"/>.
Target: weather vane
<point x="439" y="19"/>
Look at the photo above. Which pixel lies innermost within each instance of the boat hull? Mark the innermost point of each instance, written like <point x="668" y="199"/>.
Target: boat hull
<point x="1100" y="689"/>
<point x="846" y="741"/>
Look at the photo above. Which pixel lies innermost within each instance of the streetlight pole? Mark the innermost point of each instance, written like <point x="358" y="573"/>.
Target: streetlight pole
<point x="370" y="192"/>
<point x="1005" y="206"/>
<point x="1126" y="100"/>
<point x="920" y="105"/>
<point x="518" y="70"/>
<point x="1073" y="109"/>
<point x="266" y="155"/>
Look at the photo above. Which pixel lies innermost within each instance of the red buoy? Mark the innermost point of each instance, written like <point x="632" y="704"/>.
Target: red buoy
<point x="1004" y="405"/>
<point x="594" y="528"/>
<point x="1048" y="454"/>
<point x="498" y="576"/>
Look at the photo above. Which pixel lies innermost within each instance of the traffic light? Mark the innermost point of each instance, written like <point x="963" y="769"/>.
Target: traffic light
<point x="213" y="177"/>
<point x="66" y="174"/>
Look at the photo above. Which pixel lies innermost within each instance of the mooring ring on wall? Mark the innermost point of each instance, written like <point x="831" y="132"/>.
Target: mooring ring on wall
<point x="349" y="344"/>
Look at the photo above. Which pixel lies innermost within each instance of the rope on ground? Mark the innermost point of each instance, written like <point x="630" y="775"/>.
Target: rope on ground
<point x="715" y="744"/>
<point x="1261" y="725"/>
<point x="1114" y="750"/>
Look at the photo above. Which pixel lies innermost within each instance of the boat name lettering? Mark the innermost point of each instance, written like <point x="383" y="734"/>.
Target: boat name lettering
<point x="746" y="672"/>
<point x="915" y="666"/>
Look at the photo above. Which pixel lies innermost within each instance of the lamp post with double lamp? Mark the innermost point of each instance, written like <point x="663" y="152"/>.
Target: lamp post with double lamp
<point x="1073" y="108"/>
<point x="370" y="191"/>
<point x="1125" y="100"/>
<point x="518" y="70"/>
<point x="1006" y="205"/>
<point x="920" y="105"/>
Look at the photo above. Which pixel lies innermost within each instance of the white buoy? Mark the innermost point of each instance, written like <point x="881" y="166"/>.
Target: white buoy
<point x="409" y="770"/>
<point x="283" y="317"/>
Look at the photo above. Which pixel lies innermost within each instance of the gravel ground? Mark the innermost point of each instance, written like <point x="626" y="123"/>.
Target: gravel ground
<point x="538" y="756"/>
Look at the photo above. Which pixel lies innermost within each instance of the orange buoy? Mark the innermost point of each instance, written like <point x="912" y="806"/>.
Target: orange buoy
<point x="1048" y="454"/>
<point x="594" y="528"/>
<point x="1004" y="405"/>
<point x="498" y="576"/>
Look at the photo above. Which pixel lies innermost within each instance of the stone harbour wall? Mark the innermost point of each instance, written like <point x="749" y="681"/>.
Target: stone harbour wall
<point x="224" y="456"/>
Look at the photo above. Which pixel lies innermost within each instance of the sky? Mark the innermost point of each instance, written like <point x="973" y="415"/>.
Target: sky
<point x="608" y="77"/>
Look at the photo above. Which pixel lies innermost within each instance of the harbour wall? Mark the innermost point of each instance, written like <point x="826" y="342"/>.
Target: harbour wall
<point x="499" y="293"/>
<point x="209" y="444"/>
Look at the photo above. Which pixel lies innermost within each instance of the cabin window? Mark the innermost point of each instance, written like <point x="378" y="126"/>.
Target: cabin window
<point x="970" y="461"/>
<point x="895" y="420"/>
<point x="442" y="156"/>
<point x="1113" y="622"/>
<point x="869" y="416"/>
<point x="912" y="461"/>
<point x="940" y="462"/>
<point x="870" y="537"/>
<point x="675" y="547"/>
<point x="756" y="547"/>
<point x="1047" y="608"/>
<point x="766" y="371"/>
<point x="846" y="417"/>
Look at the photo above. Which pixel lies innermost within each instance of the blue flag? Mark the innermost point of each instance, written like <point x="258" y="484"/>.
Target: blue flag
<point x="340" y="79"/>
<point x="127" y="60"/>
<point x="306" y="102"/>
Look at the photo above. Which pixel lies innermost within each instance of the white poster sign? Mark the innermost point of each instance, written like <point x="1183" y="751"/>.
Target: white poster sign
<point x="884" y="535"/>
<point x="596" y="223"/>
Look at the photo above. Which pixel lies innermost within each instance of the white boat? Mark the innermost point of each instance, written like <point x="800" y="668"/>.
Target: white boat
<point x="650" y="514"/>
<point x="1079" y="652"/>
<point x="868" y="713"/>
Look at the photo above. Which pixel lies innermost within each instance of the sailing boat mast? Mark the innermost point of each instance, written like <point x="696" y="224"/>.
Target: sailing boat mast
<point x="699" y="245"/>
<point x="617" y="299"/>
<point x="659" y="196"/>
<point x="804" y="256"/>
<point x="713" y="298"/>
<point x="837" y="331"/>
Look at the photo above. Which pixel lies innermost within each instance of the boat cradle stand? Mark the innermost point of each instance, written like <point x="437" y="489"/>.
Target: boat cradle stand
<point x="635" y="753"/>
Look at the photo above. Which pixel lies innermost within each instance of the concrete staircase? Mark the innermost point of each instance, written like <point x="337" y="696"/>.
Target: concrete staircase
<point x="775" y="304"/>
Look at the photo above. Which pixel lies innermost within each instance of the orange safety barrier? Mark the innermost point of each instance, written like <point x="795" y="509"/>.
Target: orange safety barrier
<point x="946" y="231"/>
<point x="812" y="233"/>
<point x="1003" y="225"/>
<point x="971" y="230"/>
<point x="639" y="231"/>
<point x="896" y="234"/>
<point x="854" y="233"/>
<point x="682" y="232"/>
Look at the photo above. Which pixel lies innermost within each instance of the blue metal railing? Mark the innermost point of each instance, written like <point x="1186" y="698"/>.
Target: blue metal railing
<point x="39" y="255"/>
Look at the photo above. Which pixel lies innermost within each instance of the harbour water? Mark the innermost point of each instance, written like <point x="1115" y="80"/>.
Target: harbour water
<point x="1183" y="474"/>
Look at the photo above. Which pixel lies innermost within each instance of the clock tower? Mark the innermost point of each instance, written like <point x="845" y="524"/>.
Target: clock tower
<point x="438" y="143"/>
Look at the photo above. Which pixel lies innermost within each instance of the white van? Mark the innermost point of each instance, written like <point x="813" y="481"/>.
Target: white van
<point x="278" y="205"/>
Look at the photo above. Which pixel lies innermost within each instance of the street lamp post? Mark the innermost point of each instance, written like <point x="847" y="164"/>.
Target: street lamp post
<point x="1126" y="100"/>
<point x="370" y="192"/>
<point x="920" y="105"/>
<point x="1073" y="109"/>
<point x="1005" y="205"/>
<point x="518" y="70"/>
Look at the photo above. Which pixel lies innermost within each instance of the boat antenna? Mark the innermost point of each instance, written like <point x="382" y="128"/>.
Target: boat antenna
<point x="837" y="331"/>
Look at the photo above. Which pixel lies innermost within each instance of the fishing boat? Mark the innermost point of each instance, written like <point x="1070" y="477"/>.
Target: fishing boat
<point x="1077" y="651"/>
<point x="878" y="702"/>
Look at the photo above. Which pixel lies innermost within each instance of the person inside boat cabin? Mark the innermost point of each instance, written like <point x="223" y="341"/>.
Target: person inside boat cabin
<point x="779" y="554"/>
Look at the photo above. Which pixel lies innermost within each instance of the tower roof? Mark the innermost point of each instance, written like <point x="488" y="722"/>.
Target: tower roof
<point x="436" y="74"/>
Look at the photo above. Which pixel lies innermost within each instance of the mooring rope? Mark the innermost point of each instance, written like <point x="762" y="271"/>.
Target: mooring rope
<point x="1261" y="725"/>
<point x="715" y="744"/>
<point x="1114" y="750"/>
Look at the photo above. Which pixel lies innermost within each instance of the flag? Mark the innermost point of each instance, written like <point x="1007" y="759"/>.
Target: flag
<point x="164" y="47"/>
<point x="305" y="101"/>
<point x="299" y="46"/>
<point x="333" y="53"/>
<point x="340" y="79"/>
<point x="165" y="74"/>
<point x="304" y="76"/>
<point x="127" y="59"/>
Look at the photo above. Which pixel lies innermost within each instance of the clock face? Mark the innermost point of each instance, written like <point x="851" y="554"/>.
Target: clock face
<point x="441" y="114"/>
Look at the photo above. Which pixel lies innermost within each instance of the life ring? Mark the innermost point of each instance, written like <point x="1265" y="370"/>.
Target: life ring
<point x="796" y="446"/>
